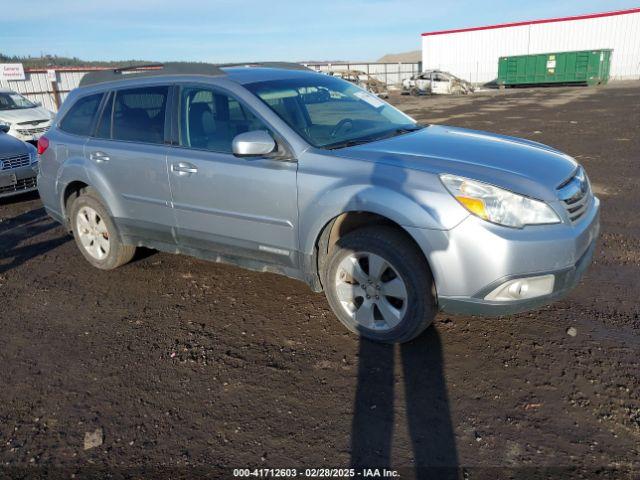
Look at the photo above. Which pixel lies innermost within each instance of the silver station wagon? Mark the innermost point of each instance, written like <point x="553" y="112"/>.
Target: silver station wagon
<point x="276" y="168"/>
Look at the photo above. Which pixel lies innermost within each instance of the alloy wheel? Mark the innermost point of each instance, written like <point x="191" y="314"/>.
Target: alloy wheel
<point x="93" y="233"/>
<point x="371" y="291"/>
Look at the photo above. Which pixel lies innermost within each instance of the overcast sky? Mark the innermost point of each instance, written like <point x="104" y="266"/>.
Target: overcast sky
<point x="237" y="30"/>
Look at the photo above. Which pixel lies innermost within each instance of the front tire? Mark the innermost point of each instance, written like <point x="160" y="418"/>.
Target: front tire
<point x="379" y="285"/>
<point x="95" y="233"/>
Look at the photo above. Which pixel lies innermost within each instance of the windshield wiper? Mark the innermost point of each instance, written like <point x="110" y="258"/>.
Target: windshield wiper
<point x="348" y="143"/>
<point x="372" y="138"/>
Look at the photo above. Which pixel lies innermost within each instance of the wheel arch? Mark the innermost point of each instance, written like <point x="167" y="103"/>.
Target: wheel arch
<point x="350" y="221"/>
<point x="74" y="182"/>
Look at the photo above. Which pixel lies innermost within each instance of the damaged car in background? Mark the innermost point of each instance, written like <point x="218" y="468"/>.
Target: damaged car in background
<point x="436" y="82"/>
<point x="363" y="80"/>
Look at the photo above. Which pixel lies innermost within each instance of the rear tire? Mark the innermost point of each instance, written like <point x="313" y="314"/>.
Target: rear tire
<point x="95" y="233"/>
<point x="379" y="286"/>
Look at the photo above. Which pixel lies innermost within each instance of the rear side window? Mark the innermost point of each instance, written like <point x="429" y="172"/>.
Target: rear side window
<point x="138" y="115"/>
<point x="79" y="118"/>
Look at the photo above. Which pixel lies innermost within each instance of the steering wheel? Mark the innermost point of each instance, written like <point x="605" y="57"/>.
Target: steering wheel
<point x="340" y="125"/>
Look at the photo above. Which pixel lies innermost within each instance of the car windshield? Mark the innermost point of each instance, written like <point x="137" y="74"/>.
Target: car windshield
<point x="331" y="113"/>
<point x="14" y="101"/>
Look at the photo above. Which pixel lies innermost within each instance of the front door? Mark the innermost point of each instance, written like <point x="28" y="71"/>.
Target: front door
<point x="440" y="85"/>
<point x="131" y="162"/>
<point x="232" y="206"/>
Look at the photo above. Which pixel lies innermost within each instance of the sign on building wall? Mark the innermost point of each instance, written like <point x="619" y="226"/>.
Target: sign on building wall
<point x="11" y="71"/>
<point x="51" y="75"/>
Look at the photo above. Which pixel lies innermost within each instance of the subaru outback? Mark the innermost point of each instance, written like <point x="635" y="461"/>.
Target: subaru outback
<point x="276" y="168"/>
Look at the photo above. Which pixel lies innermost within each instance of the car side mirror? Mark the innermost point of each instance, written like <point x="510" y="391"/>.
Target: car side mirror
<point x="4" y="128"/>
<point x="38" y="104"/>
<point x="253" y="144"/>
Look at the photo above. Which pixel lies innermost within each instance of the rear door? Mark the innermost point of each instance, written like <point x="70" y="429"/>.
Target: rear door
<point x="440" y="84"/>
<point x="234" y="206"/>
<point x="423" y="82"/>
<point x="129" y="156"/>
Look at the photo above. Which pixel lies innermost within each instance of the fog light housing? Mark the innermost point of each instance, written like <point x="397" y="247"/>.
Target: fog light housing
<point x="522" y="289"/>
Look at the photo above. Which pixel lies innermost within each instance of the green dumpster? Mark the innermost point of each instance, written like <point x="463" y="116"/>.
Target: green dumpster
<point x="590" y="67"/>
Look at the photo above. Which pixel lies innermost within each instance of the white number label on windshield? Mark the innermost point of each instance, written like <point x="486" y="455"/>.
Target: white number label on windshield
<point x="370" y="98"/>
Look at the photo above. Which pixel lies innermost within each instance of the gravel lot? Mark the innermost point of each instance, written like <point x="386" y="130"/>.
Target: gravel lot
<point x="175" y="362"/>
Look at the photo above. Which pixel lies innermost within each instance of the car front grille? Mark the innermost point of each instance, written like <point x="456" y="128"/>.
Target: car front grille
<point x="31" y="131"/>
<point x="23" y="184"/>
<point x="14" y="161"/>
<point x="576" y="195"/>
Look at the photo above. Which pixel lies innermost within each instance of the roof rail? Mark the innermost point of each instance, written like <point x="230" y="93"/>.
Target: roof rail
<point x="176" y="68"/>
<point x="284" y="65"/>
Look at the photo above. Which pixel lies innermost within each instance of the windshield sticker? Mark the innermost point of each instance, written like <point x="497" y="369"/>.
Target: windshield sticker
<point x="371" y="99"/>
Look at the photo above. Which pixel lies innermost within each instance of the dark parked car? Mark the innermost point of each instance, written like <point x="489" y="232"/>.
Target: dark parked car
<point x="18" y="165"/>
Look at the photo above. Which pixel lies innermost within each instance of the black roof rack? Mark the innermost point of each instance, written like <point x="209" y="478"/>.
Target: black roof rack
<point x="121" y="73"/>
<point x="284" y="65"/>
<point x="176" y="68"/>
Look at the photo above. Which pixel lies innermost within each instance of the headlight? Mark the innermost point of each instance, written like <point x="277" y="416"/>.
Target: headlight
<point x="498" y="205"/>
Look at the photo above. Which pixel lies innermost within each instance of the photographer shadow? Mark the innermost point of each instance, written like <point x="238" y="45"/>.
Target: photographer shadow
<point x="17" y="234"/>
<point x="427" y="407"/>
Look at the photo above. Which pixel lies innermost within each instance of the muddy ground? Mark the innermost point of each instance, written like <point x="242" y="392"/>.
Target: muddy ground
<point x="198" y="367"/>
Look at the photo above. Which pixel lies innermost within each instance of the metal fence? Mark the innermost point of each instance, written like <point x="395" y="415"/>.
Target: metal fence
<point x="390" y="73"/>
<point x="39" y="87"/>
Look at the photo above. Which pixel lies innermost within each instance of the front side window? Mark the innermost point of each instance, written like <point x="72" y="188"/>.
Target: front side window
<point x="79" y="118"/>
<point x="209" y="119"/>
<point x="14" y="101"/>
<point x="139" y="115"/>
<point x="331" y="113"/>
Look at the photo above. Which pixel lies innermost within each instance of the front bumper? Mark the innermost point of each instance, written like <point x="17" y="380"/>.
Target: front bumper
<point x="565" y="280"/>
<point x="471" y="260"/>
<point x="29" y="133"/>
<point x="25" y="177"/>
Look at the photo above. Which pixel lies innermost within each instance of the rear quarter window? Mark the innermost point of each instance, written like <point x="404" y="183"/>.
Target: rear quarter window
<point x="79" y="118"/>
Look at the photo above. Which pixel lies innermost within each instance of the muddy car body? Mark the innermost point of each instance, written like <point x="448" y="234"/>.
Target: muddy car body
<point x="290" y="171"/>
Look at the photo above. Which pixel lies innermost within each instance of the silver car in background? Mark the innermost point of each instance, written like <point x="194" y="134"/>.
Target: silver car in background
<point x="26" y="120"/>
<point x="276" y="168"/>
<point x="18" y="165"/>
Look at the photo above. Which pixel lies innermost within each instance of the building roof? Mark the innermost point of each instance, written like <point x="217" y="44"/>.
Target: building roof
<point x="534" y="22"/>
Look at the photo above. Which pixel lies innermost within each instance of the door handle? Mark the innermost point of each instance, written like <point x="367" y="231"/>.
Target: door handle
<point x="99" y="157"/>
<point x="183" y="168"/>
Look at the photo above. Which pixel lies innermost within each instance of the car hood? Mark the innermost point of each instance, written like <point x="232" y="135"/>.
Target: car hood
<point x="10" y="145"/>
<point x="21" y="115"/>
<point x="519" y="165"/>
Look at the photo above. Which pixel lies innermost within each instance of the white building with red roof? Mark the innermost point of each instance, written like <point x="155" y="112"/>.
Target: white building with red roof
<point x="473" y="53"/>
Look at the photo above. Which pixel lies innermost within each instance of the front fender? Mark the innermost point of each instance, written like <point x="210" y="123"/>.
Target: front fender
<point x="329" y="186"/>
<point x="390" y="204"/>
